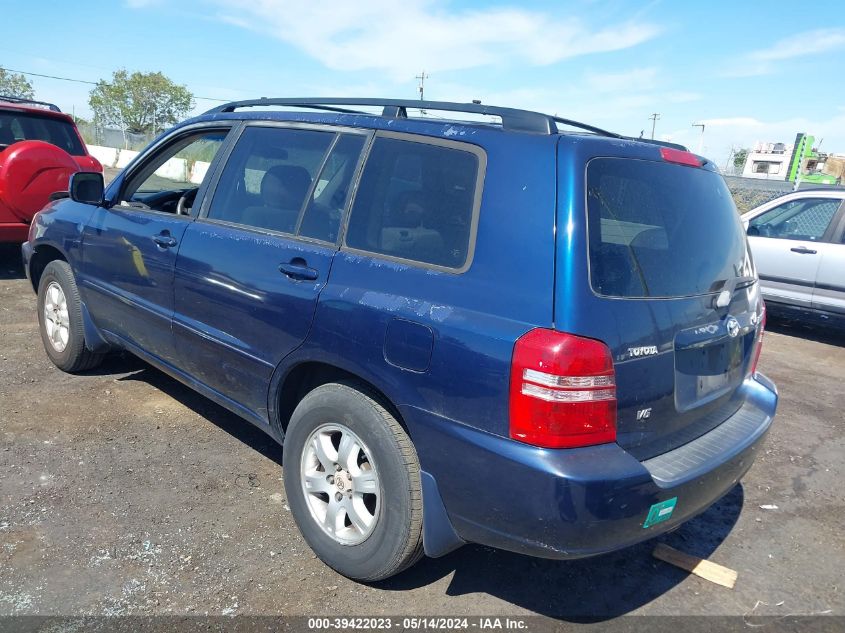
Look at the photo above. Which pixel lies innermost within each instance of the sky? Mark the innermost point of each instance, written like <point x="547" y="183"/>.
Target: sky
<point x="747" y="71"/>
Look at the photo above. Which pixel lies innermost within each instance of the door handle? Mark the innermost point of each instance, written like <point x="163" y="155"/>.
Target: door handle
<point x="803" y="250"/>
<point x="298" y="270"/>
<point x="164" y="240"/>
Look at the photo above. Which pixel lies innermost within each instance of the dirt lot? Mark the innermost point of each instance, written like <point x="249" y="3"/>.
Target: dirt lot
<point x="123" y="492"/>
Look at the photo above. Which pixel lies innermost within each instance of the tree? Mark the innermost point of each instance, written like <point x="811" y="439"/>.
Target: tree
<point x="14" y="85"/>
<point x="140" y="102"/>
<point x="739" y="159"/>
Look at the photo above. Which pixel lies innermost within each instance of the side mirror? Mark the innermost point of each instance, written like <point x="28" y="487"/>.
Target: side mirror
<point x="87" y="187"/>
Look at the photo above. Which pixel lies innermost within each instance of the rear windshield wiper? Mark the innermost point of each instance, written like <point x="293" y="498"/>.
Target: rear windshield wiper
<point x="723" y="299"/>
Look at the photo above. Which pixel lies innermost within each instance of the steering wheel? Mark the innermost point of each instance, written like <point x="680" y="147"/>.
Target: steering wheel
<point x="186" y="201"/>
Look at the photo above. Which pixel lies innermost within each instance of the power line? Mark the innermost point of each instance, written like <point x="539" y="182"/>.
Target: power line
<point x="92" y="83"/>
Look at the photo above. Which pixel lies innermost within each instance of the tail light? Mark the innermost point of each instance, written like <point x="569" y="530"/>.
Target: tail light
<point x="758" y="341"/>
<point x="562" y="391"/>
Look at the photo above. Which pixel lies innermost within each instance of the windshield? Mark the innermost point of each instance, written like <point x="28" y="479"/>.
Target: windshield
<point x="23" y="126"/>
<point x="661" y="230"/>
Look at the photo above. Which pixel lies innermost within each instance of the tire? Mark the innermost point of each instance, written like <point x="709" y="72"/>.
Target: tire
<point x="392" y="542"/>
<point x="65" y="348"/>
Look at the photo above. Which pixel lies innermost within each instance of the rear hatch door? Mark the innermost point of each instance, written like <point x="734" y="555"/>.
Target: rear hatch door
<point x="672" y="291"/>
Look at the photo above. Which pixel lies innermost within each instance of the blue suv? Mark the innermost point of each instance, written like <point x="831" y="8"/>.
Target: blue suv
<point x="523" y="331"/>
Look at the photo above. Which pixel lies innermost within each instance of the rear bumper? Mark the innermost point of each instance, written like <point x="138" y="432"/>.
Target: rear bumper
<point x="13" y="232"/>
<point x="573" y="503"/>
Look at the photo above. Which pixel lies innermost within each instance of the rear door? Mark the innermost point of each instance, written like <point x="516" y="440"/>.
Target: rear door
<point x="663" y="240"/>
<point x="785" y="244"/>
<point x="251" y="268"/>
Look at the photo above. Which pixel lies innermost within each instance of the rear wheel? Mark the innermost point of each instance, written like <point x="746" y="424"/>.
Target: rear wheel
<point x="60" y="320"/>
<point x="352" y="479"/>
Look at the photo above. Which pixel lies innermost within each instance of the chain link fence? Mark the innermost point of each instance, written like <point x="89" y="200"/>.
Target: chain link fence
<point x="94" y="134"/>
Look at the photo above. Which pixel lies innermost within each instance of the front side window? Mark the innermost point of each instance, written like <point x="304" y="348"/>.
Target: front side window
<point x="268" y="177"/>
<point x="805" y="219"/>
<point x="416" y="201"/>
<point x="175" y="173"/>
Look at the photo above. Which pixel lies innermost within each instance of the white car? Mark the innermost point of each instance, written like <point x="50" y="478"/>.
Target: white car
<point x="798" y="245"/>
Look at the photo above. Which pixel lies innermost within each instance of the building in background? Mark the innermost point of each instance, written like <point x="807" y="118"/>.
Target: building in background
<point x="800" y="161"/>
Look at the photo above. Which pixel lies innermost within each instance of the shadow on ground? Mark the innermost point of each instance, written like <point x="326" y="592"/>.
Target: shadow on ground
<point x="828" y="335"/>
<point x="224" y="419"/>
<point x="11" y="266"/>
<point x="582" y="590"/>
<point x="589" y="589"/>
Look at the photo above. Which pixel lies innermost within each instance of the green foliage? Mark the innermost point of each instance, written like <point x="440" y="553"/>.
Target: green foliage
<point x="142" y="103"/>
<point x="14" y="85"/>
<point x="740" y="156"/>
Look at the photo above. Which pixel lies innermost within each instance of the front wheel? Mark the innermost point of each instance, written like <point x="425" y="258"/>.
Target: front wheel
<point x="60" y="320"/>
<point x="352" y="479"/>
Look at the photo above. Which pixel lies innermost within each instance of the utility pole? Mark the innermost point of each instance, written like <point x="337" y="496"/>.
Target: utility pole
<point x="730" y="157"/>
<point x="700" y="138"/>
<point x="654" y="117"/>
<point x="422" y="77"/>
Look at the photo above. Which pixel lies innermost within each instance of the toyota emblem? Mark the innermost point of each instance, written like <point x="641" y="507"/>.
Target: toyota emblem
<point x="733" y="327"/>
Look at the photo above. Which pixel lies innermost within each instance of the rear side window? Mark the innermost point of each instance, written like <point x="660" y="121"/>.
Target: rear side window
<point x="417" y="201"/>
<point x="661" y="230"/>
<point x="17" y="126"/>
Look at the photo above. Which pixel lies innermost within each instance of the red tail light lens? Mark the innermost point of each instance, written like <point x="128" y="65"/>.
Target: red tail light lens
<point x="672" y="155"/>
<point x="758" y="341"/>
<point x="562" y="391"/>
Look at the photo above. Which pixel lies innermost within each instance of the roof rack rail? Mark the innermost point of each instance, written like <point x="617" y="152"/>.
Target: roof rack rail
<point x="50" y="106"/>
<point x="512" y="119"/>
<point x="652" y="141"/>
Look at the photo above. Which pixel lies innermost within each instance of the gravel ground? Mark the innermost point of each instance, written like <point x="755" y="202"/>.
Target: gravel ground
<point x="123" y="492"/>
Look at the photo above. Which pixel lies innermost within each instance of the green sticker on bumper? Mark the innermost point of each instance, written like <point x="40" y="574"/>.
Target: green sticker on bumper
<point x="660" y="512"/>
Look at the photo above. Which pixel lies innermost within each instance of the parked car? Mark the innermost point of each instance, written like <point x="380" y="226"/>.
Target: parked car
<point x="798" y="245"/>
<point x="533" y="334"/>
<point x="40" y="148"/>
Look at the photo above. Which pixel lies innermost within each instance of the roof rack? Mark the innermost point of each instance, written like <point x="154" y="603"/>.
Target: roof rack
<point x="512" y="119"/>
<point x="49" y="106"/>
<point x="653" y="141"/>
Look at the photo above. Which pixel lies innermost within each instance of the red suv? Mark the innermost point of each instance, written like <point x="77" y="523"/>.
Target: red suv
<point x="40" y="148"/>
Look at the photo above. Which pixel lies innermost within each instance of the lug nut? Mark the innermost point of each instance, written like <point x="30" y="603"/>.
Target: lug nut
<point x="330" y="479"/>
<point x="337" y="467"/>
<point x="338" y="496"/>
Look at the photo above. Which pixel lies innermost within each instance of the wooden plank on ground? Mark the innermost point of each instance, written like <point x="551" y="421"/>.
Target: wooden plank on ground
<point x="695" y="565"/>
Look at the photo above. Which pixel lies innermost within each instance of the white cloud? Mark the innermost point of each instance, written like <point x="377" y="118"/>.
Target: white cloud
<point x="734" y="122"/>
<point x="804" y="44"/>
<point x="635" y="79"/>
<point x="403" y="38"/>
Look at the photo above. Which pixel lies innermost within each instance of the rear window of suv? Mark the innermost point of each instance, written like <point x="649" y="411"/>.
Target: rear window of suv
<point x="661" y="230"/>
<point x="19" y="126"/>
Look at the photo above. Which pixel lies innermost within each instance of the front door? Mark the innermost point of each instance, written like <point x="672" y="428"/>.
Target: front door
<point x="130" y="248"/>
<point x="251" y="268"/>
<point x="785" y="243"/>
